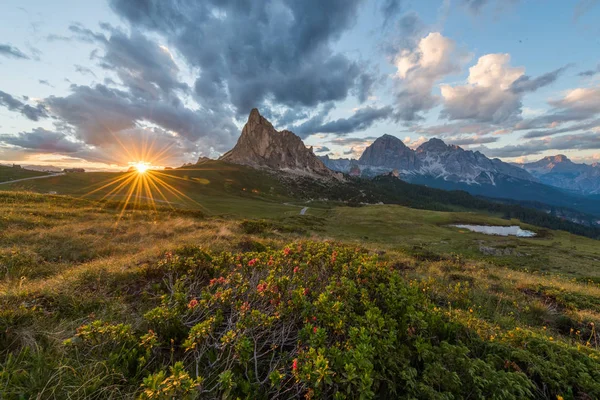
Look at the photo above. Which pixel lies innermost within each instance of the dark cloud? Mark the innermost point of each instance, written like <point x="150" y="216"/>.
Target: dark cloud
<point x="322" y="149"/>
<point x="45" y="82"/>
<point x="457" y="128"/>
<point x="97" y="112"/>
<point x="465" y="141"/>
<point x="249" y="52"/>
<point x="141" y="64"/>
<point x="11" y="51"/>
<point x="40" y="140"/>
<point x="590" y="72"/>
<point x="359" y="121"/>
<point x="475" y="6"/>
<point x="527" y="84"/>
<point x="571" y="128"/>
<point x="346" y="141"/>
<point x="13" y="104"/>
<point x="390" y="9"/>
<point x="84" y="70"/>
<point x="583" y="141"/>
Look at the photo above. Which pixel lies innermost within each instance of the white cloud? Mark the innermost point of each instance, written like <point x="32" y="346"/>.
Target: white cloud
<point x="418" y="69"/>
<point x="487" y="96"/>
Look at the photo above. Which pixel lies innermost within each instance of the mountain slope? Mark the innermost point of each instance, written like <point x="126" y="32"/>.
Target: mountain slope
<point x="262" y="146"/>
<point x="450" y="167"/>
<point x="561" y="172"/>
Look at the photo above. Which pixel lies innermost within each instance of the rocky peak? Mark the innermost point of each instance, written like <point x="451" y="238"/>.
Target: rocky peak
<point x="261" y="146"/>
<point x="389" y="151"/>
<point x="434" y="146"/>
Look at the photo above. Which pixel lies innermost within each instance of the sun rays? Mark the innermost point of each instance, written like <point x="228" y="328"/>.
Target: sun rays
<point x="144" y="186"/>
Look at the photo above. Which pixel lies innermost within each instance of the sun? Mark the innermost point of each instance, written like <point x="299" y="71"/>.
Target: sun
<point x="140" y="166"/>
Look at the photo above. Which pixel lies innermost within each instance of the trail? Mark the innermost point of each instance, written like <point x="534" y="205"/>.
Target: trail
<point x="33" y="177"/>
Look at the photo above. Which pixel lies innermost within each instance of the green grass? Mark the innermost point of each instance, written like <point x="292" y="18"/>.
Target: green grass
<point x="80" y="270"/>
<point x="11" y="173"/>
<point x="413" y="230"/>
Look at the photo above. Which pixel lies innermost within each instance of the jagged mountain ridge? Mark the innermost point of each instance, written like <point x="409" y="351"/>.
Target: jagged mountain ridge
<point x="261" y="146"/>
<point x="561" y="172"/>
<point x="434" y="159"/>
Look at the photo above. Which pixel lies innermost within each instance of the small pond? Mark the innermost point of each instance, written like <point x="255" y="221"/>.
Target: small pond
<point x="513" y="230"/>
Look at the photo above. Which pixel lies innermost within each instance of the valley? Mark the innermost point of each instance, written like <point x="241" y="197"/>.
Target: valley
<point x="150" y="274"/>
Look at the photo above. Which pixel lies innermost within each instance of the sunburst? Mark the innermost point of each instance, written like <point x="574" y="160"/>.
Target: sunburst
<point x="144" y="186"/>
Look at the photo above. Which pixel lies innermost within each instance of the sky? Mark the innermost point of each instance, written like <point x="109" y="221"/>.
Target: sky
<point x="100" y="84"/>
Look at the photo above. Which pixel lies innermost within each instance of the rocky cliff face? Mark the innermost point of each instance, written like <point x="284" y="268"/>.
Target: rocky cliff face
<point x="433" y="159"/>
<point x="390" y="152"/>
<point x="456" y="164"/>
<point x="561" y="172"/>
<point x="262" y="146"/>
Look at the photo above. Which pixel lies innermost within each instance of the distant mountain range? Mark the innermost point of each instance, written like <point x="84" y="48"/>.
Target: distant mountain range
<point x="553" y="181"/>
<point x="561" y="172"/>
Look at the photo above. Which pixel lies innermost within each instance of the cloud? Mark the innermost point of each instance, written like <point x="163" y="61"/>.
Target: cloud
<point x="30" y="112"/>
<point x="593" y="125"/>
<point x="348" y="141"/>
<point x="488" y="95"/>
<point x="97" y="112"/>
<point x="456" y="128"/>
<point x="590" y="72"/>
<point x="249" y="53"/>
<point x="465" y="141"/>
<point x="362" y="119"/>
<point x="390" y="9"/>
<point x="583" y="141"/>
<point x="12" y="52"/>
<point x="528" y="84"/>
<point x="142" y="65"/>
<point x="585" y="100"/>
<point x="418" y="69"/>
<point x="41" y="140"/>
<point x="45" y="82"/>
<point x="582" y="7"/>
<point x="477" y="6"/>
<point x="322" y="149"/>
<point x="84" y="70"/>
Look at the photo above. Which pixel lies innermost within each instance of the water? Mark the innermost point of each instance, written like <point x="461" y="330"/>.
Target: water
<point x="513" y="230"/>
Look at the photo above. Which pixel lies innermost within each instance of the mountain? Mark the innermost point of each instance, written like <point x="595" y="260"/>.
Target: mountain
<point x="439" y="165"/>
<point x="434" y="159"/>
<point x="262" y="146"/>
<point x="391" y="153"/>
<point x="561" y="172"/>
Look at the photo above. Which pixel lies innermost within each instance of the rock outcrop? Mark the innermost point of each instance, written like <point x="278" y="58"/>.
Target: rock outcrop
<point x="389" y="151"/>
<point x="262" y="146"/>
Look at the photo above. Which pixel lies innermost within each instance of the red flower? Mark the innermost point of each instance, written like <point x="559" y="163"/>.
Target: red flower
<point x="193" y="303"/>
<point x="314" y="318"/>
<point x="286" y="251"/>
<point x="296" y="269"/>
<point x="295" y="365"/>
<point x="315" y="329"/>
<point x="305" y="291"/>
<point x="261" y="287"/>
<point x="252" y="262"/>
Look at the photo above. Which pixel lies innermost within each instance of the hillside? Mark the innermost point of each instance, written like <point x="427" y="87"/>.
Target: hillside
<point x="325" y="298"/>
<point x="14" y="173"/>
<point x="438" y="165"/>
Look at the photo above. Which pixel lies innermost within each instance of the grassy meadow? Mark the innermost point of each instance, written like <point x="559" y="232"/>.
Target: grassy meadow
<point x="11" y="173"/>
<point x="227" y="292"/>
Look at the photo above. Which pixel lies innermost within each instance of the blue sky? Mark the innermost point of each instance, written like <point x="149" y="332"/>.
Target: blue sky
<point x="102" y="83"/>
